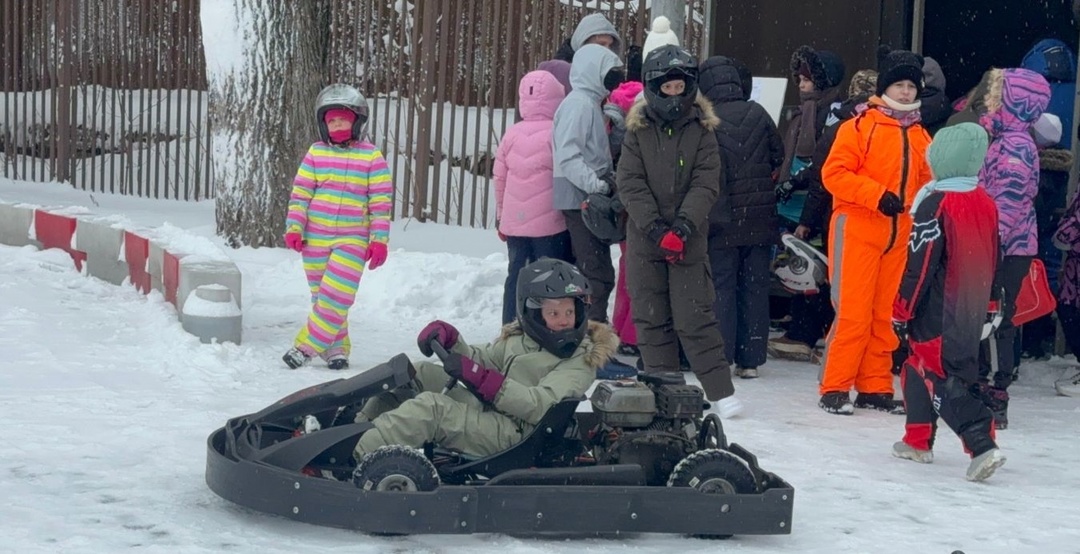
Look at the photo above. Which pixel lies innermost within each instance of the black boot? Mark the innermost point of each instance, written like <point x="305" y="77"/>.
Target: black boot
<point x="836" y="403"/>
<point x="338" y="363"/>
<point x="295" y="358"/>
<point x="880" y="401"/>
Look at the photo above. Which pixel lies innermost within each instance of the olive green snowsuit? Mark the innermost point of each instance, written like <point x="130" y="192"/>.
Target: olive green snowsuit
<point x="535" y="381"/>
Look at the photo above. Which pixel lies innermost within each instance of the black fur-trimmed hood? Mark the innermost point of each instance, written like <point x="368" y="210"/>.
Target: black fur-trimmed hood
<point x="636" y="120"/>
<point x="826" y="68"/>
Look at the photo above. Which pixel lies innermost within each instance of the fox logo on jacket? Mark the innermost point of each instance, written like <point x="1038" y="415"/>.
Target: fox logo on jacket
<point x="924" y="233"/>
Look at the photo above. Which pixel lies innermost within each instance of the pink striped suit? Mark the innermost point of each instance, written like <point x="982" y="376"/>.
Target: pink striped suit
<point x="341" y="201"/>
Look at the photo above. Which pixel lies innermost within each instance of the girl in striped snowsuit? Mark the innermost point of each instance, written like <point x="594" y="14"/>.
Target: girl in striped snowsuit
<point x="339" y="219"/>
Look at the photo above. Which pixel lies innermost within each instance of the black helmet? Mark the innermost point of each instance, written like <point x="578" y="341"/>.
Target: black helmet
<point x="551" y="278"/>
<point x="605" y="217"/>
<point x="664" y="64"/>
<point x="341" y="96"/>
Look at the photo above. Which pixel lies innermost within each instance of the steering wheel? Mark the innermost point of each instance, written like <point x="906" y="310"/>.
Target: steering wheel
<point x="443" y="355"/>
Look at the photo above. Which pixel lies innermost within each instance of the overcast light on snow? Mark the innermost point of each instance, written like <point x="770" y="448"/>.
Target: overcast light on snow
<point x="107" y="403"/>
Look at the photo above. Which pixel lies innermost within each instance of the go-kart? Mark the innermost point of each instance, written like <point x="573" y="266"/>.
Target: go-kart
<point x="644" y="460"/>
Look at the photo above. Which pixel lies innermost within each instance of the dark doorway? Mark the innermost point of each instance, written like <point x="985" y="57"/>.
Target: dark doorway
<point x="967" y="37"/>
<point x="763" y="33"/>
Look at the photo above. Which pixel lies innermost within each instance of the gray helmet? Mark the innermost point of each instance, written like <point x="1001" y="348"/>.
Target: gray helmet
<point x="664" y="64"/>
<point x="341" y="96"/>
<point x="550" y="278"/>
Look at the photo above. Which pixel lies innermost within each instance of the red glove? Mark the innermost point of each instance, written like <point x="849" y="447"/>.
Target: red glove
<point x="483" y="382"/>
<point x="446" y="334"/>
<point x="294" y="240"/>
<point x="376" y="255"/>
<point x="672" y="247"/>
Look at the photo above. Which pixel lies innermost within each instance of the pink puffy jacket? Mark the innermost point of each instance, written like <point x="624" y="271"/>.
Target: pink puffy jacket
<point x="523" y="162"/>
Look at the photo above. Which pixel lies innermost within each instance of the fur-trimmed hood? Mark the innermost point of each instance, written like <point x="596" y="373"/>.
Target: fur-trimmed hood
<point x="826" y="68"/>
<point x="1015" y="99"/>
<point x="1055" y="159"/>
<point x="637" y="119"/>
<point x="602" y="347"/>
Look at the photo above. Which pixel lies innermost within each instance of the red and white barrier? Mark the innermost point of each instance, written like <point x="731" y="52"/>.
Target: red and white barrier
<point x="146" y="258"/>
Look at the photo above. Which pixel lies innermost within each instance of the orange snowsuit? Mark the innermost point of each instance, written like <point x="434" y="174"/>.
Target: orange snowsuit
<point x="872" y="154"/>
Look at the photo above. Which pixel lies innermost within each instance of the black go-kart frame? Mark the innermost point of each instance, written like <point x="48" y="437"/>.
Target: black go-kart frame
<point x="540" y="486"/>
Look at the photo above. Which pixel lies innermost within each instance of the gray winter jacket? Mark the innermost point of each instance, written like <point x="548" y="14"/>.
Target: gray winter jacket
<point x="582" y="153"/>
<point x="590" y="26"/>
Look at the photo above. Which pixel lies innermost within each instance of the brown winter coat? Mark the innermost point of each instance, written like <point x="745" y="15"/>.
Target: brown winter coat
<point x="670" y="170"/>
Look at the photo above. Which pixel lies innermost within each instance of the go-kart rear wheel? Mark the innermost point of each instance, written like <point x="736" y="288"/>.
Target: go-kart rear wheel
<point x="713" y="472"/>
<point x="396" y="469"/>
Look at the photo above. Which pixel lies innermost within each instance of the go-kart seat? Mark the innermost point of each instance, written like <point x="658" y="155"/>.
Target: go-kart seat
<point x="547" y="434"/>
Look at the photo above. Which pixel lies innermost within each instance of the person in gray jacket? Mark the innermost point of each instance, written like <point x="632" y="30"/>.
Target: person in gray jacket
<point x="592" y="29"/>
<point x="583" y="166"/>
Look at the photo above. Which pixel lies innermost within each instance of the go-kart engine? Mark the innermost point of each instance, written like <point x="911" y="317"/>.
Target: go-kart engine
<point x="636" y="405"/>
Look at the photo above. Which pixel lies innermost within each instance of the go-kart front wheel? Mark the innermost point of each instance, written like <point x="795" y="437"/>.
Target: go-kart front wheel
<point x="714" y="471"/>
<point x="396" y="469"/>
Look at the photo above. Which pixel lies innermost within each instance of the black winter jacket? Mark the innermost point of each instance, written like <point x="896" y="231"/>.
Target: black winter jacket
<point x="818" y="208"/>
<point x="751" y="151"/>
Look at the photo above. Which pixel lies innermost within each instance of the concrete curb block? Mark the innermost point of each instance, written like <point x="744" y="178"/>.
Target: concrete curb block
<point x="102" y="248"/>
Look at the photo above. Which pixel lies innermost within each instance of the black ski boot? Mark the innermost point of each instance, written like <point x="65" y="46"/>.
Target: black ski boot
<point x="295" y="358"/>
<point x="838" y="403"/>
<point x="881" y="401"/>
<point x="338" y="363"/>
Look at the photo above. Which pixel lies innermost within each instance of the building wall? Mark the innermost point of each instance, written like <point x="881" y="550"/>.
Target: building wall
<point x="764" y="33"/>
<point x="967" y="37"/>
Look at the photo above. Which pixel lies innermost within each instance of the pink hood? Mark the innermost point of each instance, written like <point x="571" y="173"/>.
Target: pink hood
<point x="524" y="163"/>
<point x="539" y="95"/>
<point x="625" y="95"/>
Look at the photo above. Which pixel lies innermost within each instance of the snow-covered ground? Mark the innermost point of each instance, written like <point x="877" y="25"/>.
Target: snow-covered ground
<point x="107" y="402"/>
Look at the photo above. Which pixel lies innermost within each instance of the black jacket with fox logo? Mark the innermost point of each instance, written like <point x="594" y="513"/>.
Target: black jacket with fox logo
<point x="948" y="282"/>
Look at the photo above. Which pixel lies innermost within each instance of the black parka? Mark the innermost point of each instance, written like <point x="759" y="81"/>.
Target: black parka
<point x="668" y="170"/>
<point x="751" y="153"/>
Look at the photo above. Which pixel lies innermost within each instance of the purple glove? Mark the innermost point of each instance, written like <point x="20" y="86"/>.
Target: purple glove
<point x="438" y="330"/>
<point x="294" y="241"/>
<point x="483" y="382"/>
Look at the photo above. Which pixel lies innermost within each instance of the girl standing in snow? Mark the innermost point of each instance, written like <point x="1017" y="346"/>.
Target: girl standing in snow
<point x="669" y="178"/>
<point x="532" y="228"/>
<point x="339" y="219"/>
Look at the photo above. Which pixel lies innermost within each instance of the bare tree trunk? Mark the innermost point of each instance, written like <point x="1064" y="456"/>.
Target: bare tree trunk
<point x="264" y="68"/>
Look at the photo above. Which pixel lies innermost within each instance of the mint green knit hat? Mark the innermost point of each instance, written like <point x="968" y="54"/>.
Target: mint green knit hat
<point x="958" y="151"/>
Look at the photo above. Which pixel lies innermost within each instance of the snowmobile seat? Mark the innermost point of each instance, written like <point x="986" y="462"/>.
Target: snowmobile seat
<point x="547" y="435"/>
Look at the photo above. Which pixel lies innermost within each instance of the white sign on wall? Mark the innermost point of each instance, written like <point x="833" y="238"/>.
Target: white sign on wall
<point x="769" y="92"/>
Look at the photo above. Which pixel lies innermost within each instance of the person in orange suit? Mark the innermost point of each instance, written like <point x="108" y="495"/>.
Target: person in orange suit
<point x="875" y="168"/>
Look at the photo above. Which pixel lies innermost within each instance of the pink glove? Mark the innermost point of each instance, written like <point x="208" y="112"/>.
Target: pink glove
<point x="376" y="255"/>
<point x="294" y="240"/>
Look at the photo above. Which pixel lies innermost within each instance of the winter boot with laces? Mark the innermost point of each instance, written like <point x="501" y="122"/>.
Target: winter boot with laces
<point x="904" y="450"/>
<point x="295" y="358"/>
<point x="837" y="403"/>
<point x="746" y="372"/>
<point x="880" y="401"/>
<point x="338" y="362"/>
<point x="984" y="465"/>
